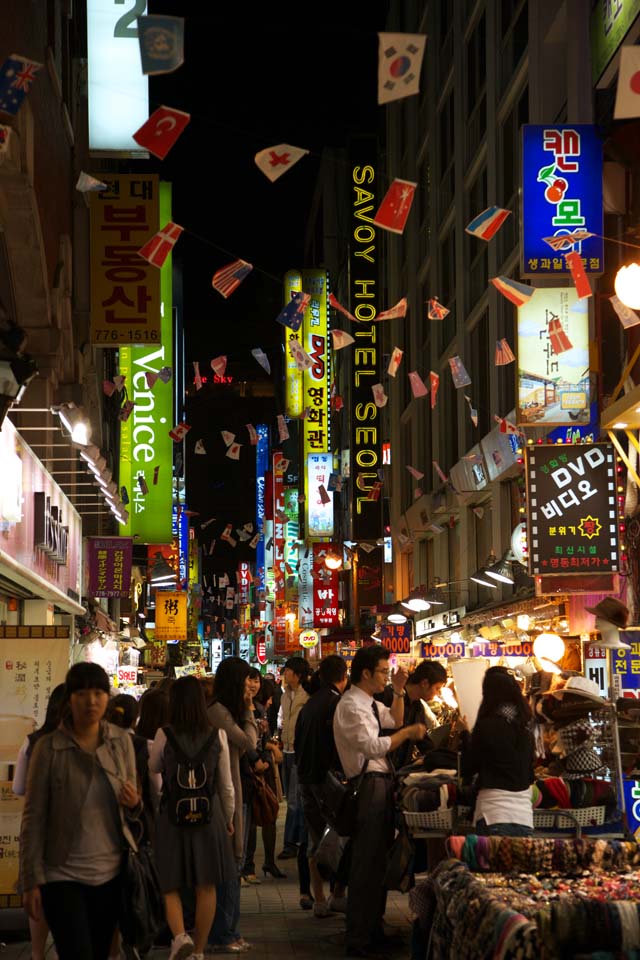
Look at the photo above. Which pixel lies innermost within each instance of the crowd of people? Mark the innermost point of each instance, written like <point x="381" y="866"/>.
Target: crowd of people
<point x="181" y="769"/>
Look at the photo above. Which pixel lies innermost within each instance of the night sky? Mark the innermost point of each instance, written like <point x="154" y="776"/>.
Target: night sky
<point x="251" y="82"/>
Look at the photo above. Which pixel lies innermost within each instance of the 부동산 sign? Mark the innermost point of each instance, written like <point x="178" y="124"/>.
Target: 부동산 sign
<point x="553" y="360"/>
<point x="571" y="494"/>
<point x="561" y="194"/>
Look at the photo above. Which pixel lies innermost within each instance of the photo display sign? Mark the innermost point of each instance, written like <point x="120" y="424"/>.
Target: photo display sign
<point x="561" y="197"/>
<point x="553" y="360"/>
<point x="571" y="494"/>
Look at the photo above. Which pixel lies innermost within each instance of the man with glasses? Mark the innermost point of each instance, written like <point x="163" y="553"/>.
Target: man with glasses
<point x="357" y="726"/>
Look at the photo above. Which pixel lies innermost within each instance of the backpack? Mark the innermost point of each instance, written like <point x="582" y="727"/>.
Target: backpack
<point x="188" y="782"/>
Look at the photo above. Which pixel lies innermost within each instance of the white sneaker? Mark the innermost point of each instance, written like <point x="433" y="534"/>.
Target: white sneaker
<point x="181" y="947"/>
<point x="339" y="904"/>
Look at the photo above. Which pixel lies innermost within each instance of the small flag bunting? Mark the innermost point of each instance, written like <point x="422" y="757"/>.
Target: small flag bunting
<point x="486" y="224"/>
<point x="564" y="241"/>
<point x="179" y="432"/>
<point x="505" y="425"/>
<point x="125" y="411"/>
<point x="628" y="317"/>
<point x="458" y="373"/>
<point x="399" y="64"/>
<point x="229" y="278"/>
<point x="340" y="339"/>
<point x="219" y="365"/>
<point x="152" y="378"/>
<point x="504" y="353"/>
<point x="156" y="250"/>
<point x="161" y="40"/>
<point x="628" y="89"/>
<point x="292" y="314"/>
<point x="197" y="379"/>
<point x="518" y="293"/>
<point x="301" y="357"/>
<point x="16" y="76"/>
<point x="283" y="430"/>
<point x="274" y="161"/>
<point x="395" y="208"/>
<point x="395" y="361"/>
<point x="199" y="448"/>
<point x="253" y="435"/>
<point x="159" y="133"/>
<point x="228" y="437"/>
<point x="578" y="275"/>
<point x="233" y="451"/>
<point x="558" y="338"/>
<point x="416" y="474"/>
<point x="434" y="383"/>
<point x="436" y="310"/>
<point x="324" y="496"/>
<point x="379" y="395"/>
<point x="88" y="184"/>
<point x="258" y="354"/>
<point x="399" y="310"/>
<point x="338" y="306"/>
<point x="165" y="374"/>
<point x="440" y="471"/>
<point x="418" y="388"/>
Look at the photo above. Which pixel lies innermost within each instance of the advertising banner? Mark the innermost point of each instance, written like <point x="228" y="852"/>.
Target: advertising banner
<point x="146" y="449"/>
<point x="319" y="502"/>
<point x="396" y="637"/>
<point x="125" y="289"/>
<point x="316" y="425"/>
<point x="118" y="90"/>
<point x="109" y="564"/>
<point x="610" y="22"/>
<point x="571" y="495"/>
<point x="561" y="197"/>
<point x="262" y="465"/>
<point x="30" y="670"/>
<point x="171" y="616"/>
<point x="553" y="360"/>
<point x="180" y="542"/>
<point x="279" y="524"/>
<point x="292" y="533"/>
<point x="305" y="589"/>
<point x="294" y="378"/>
<point x="325" y="587"/>
<point x="366" y="440"/>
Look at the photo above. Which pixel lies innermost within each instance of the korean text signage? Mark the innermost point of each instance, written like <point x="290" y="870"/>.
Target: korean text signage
<point x="553" y="360"/>
<point x="305" y="589"/>
<point x="433" y="651"/>
<point x="294" y="378"/>
<point x="171" y="616"/>
<point x="397" y="637"/>
<point x="319" y="513"/>
<point x="125" y="289"/>
<point x="244" y="582"/>
<point x="325" y="587"/>
<point x="366" y="451"/>
<point x="49" y="531"/>
<point x="571" y="492"/>
<point x="180" y="542"/>
<point x="440" y="621"/>
<point x="262" y="465"/>
<point x="146" y="449"/>
<point x="316" y="427"/>
<point x="279" y="524"/>
<point x="109" y="563"/>
<point x="292" y="532"/>
<point x="561" y="193"/>
<point x="610" y="21"/>
<point x="625" y="665"/>
<point x="118" y="90"/>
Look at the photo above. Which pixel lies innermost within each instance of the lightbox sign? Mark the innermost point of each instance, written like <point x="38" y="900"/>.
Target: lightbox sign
<point x="366" y="445"/>
<point x="571" y="494"/>
<point x="125" y="289"/>
<point x="262" y="465"/>
<point x="292" y="532"/>
<point x="319" y="514"/>
<point x="305" y="589"/>
<point x="316" y="426"/>
<point x="145" y="444"/>
<point x="118" y="89"/>
<point x="561" y="194"/>
<point x="553" y="360"/>
<point x="293" y="385"/>
<point x="326" y="587"/>
<point x="396" y="637"/>
<point x="180" y="539"/>
<point x="610" y="23"/>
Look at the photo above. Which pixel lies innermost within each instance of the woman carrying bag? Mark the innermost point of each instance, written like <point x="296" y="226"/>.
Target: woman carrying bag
<point x="80" y="796"/>
<point x="195" y="822"/>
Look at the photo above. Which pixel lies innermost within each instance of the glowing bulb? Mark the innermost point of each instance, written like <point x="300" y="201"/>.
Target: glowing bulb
<point x="627" y="285"/>
<point x="548" y="646"/>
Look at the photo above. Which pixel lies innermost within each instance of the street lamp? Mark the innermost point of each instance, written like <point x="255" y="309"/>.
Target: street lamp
<point x="627" y="285"/>
<point x="333" y="561"/>
<point x="15" y="376"/>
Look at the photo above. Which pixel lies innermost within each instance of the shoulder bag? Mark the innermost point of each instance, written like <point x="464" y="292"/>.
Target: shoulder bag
<point x="264" y="803"/>
<point x="341" y="801"/>
<point x="141" y="900"/>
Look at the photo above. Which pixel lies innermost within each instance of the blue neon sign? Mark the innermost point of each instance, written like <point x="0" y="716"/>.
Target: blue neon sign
<point x="561" y="194"/>
<point x="262" y="465"/>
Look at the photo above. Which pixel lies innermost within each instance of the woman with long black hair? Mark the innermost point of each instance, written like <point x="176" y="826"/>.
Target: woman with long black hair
<point x="501" y="753"/>
<point x="196" y="857"/>
<point x="80" y="793"/>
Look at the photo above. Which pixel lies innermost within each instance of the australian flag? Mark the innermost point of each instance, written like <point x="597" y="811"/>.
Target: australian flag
<point x="16" y="76"/>
<point x="291" y="316"/>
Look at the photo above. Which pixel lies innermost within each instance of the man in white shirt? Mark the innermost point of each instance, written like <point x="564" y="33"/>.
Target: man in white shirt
<point x="357" y="727"/>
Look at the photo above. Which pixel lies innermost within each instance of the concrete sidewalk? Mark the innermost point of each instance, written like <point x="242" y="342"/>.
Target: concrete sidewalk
<point x="273" y="922"/>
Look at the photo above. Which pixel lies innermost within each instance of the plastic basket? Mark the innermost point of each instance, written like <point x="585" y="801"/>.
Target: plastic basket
<point x="463" y="816"/>
<point x="432" y="820"/>
<point x="566" y="819"/>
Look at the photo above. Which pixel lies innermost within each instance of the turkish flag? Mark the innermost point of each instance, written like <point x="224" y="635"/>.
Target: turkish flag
<point x="394" y="209"/>
<point x="161" y="130"/>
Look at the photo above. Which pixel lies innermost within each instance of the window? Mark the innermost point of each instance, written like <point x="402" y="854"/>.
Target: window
<point x="476" y="87"/>
<point x="510" y="161"/>
<point x="446" y="157"/>
<point x="515" y="34"/>
<point x="475" y="253"/>
<point x="448" y="421"/>
<point x="479" y="368"/>
<point x="447" y="290"/>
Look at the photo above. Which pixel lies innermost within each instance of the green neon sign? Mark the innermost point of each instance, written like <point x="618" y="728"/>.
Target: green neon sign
<point x="145" y="444"/>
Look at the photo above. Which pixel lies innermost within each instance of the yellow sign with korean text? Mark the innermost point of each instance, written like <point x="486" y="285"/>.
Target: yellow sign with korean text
<point x="125" y="289"/>
<point x="293" y="377"/>
<point x="171" y="615"/>
<point x="316" y="426"/>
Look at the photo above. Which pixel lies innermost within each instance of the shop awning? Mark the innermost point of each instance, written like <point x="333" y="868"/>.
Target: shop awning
<point x="40" y="589"/>
<point x="535" y="607"/>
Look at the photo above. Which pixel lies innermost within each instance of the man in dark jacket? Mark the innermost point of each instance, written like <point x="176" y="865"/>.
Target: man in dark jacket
<point x="315" y="755"/>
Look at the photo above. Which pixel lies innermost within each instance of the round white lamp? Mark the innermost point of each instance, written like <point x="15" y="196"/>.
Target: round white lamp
<point x="627" y="285"/>
<point x="548" y="646"/>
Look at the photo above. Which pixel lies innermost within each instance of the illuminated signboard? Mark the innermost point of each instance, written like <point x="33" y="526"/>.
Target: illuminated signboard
<point x="180" y="541"/>
<point x="319" y="514"/>
<point x="125" y="289"/>
<point x="553" y="360"/>
<point x="292" y="532"/>
<point x="326" y="585"/>
<point x="305" y="589"/>
<point x="262" y="465"/>
<point x="571" y="495"/>
<point x="145" y="443"/>
<point x="118" y="89"/>
<point x="316" y="426"/>
<point x="610" y="22"/>
<point x="279" y="522"/>
<point x="109" y="566"/>
<point x="294" y="380"/>
<point x="366" y="449"/>
<point x="561" y="193"/>
<point x="171" y="616"/>
<point x="396" y="637"/>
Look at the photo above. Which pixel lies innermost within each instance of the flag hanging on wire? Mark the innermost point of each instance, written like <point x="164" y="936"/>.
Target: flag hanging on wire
<point x="229" y="278"/>
<point x="283" y="430"/>
<point x="564" y="241"/>
<point x="340" y="339"/>
<point x="157" y="249"/>
<point x="559" y="340"/>
<point x="219" y="365"/>
<point x="161" y="40"/>
<point x="458" y="372"/>
<point x="436" y="310"/>
<point x="578" y="275"/>
<point x="395" y="361"/>
<point x="416" y="474"/>
<point x="434" y="383"/>
<point x="473" y="413"/>
<point x="487" y="223"/>
<point x="395" y="208"/>
<point x="338" y="306"/>
<point x="518" y="293"/>
<point x="418" y="389"/>
<point x="504" y="353"/>
<point x="399" y="64"/>
<point x="88" y="184"/>
<point x="159" y="133"/>
<point x="274" y="161"/>
<point x="379" y="395"/>
<point x="292" y="314"/>
<point x="16" y="76"/>
<point x="628" y="317"/>
<point x="399" y="310"/>
<point x="258" y="354"/>
<point x="505" y="425"/>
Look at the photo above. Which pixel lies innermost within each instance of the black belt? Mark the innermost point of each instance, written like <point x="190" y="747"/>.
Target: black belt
<point x="377" y="773"/>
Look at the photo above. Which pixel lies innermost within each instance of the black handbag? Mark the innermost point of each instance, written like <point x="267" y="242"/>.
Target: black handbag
<point x="399" y="873"/>
<point x="341" y="802"/>
<point x="142" y="903"/>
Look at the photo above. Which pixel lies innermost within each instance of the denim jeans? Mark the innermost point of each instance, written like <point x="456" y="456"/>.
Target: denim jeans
<point x="485" y="829"/>
<point x="225" y="924"/>
<point x="294" y="825"/>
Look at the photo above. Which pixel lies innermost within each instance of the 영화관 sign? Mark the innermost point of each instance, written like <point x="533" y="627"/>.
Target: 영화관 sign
<point x="571" y="494"/>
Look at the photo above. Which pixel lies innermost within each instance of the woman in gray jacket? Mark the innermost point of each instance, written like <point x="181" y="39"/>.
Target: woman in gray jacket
<point x="80" y="790"/>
